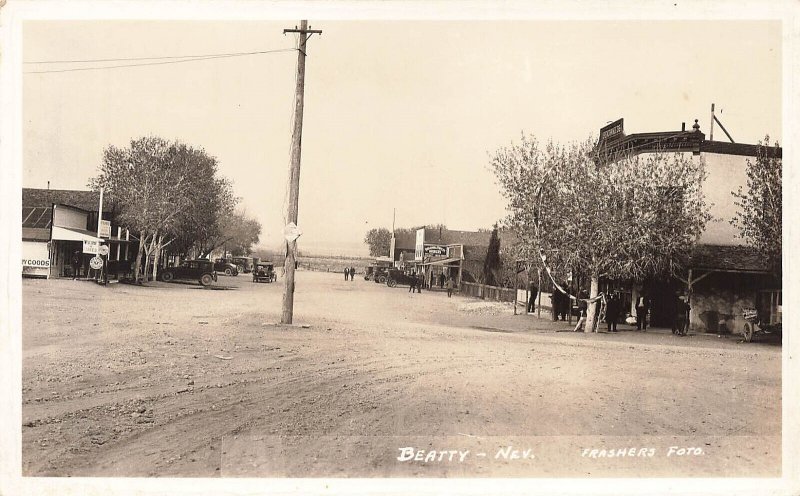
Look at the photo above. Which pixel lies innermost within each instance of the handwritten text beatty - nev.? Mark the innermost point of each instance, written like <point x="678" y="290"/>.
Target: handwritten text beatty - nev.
<point x="410" y="453"/>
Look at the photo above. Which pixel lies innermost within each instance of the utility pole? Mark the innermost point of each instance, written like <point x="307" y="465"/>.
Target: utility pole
<point x="294" y="171"/>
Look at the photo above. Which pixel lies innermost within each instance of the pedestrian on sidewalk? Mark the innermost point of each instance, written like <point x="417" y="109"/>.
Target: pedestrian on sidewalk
<point x="76" y="263"/>
<point x="534" y="291"/>
<point x="450" y="284"/>
<point x="680" y="323"/>
<point x="612" y="312"/>
<point x="642" y="306"/>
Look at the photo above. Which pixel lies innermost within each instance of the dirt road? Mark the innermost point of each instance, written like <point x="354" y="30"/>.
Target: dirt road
<point x="178" y="380"/>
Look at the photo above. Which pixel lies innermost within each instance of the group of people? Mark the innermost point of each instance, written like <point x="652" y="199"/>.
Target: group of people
<point x="349" y="273"/>
<point x="561" y="305"/>
<point x="418" y="281"/>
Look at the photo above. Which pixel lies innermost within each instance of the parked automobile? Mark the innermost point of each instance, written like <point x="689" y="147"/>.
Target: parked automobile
<point x="226" y="267"/>
<point x="243" y="264"/>
<point x="380" y="274"/>
<point x="397" y="276"/>
<point x="264" y="272"/>
<point x="194" y="270"/>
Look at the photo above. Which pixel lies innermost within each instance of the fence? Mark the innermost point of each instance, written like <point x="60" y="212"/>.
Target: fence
<point x="486" y="292"/>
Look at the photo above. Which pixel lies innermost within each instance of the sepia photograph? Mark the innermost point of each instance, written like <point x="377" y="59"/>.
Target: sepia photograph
<point x="403" y="249"/>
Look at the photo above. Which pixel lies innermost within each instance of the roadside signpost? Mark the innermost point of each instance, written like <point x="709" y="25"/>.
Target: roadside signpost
<point x="103" y="252"/>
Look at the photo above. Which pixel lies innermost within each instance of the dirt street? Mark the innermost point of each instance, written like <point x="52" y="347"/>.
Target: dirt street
<point x="180" y="380"/>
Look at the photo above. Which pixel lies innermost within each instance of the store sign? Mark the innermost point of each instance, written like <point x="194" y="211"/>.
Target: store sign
<point x="90" y="247"/>
<point x="419" y="248"/>
<point x="611" y="131"/>
<point x="103" y="250"/>
<point x="105" y="229"/>
<point x="435" y="250"/>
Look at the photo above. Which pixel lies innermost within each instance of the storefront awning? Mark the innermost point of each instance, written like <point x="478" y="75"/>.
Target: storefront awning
<point x="445" y="261"/>
<point x="71" y="234"/>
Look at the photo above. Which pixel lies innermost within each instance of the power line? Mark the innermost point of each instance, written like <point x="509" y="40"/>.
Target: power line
<point x="153" y="58"/>
<point x="193" y="59"/>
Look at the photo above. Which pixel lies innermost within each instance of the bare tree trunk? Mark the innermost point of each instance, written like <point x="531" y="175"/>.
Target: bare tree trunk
<point x="148" y="251"/>
<point x="138" y="263"/>
<point x="157" y="257"/>
<point x="590" y="312"/>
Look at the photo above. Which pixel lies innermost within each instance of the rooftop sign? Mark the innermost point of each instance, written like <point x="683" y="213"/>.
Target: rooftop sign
<point x="612" y="131"/>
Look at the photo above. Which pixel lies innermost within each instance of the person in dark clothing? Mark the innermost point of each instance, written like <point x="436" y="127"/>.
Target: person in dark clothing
<point x="346" y="273"/>
<point x="412" y="285"/>
<point x="352" y="273"/>
<point x="420" y="282"/>
<point x="642" y="306"/>
<point x="76" y="263"/>
<point x="680" y="325"/>
<point x="612" y="312"/>
<point x="534" y="291"/>
<point x="450" y="284"/>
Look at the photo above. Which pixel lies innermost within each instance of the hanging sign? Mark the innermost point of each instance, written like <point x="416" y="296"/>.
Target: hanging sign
<point x="96" y="263"/>
<point x="105" y="228"/>
<point x="103" y="250"/>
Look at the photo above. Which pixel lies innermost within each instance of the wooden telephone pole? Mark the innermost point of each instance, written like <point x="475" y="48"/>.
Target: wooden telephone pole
<point x="294" y="171"/>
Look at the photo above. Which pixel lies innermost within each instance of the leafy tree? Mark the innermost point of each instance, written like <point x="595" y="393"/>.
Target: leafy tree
<point x="759" y="207"/>
<point x="631" y="218"/>
<point x="237" y="234"/>
<point x="492" y="263"/>
<point x="379" y="241"/>
<point x="155" y="183"/>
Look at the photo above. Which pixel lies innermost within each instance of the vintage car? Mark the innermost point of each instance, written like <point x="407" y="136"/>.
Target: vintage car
<point x="226" y="267"/>
<point x="397" y="276"/>
<point x="194" y="270"/>
<point x="380" y="274"/>
<point x="264" y="272"/>
<point x="243" y="264"/>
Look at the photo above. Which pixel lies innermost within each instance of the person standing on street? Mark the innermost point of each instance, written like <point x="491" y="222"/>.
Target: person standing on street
<point x="681" y="320"/>
<point x="534" y="291"/>
<point x="412" y="285"/>
<point x="641" y="313"/>
<point x="441" y="280"/>
<point x="352" y="273"/>
<point x="346" y="273"/>
<point x="612" y="312"/>
<point x="420" y="281"/>
<point x="450" y="284"/>
<point x="76" y="263"/>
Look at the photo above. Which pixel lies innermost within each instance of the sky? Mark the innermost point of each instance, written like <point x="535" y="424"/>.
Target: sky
<point x="400" y="116"/>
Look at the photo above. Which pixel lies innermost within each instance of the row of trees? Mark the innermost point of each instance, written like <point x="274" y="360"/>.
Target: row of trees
<point x="171" y="196"/>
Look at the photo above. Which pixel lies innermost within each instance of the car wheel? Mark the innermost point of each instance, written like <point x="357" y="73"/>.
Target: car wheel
<point x="382" y="279"/>
<point x="228" y="271"/>
<point x="206" y="279"/>
<point x="391" y="283"/>
<point x="167" y="276"/>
